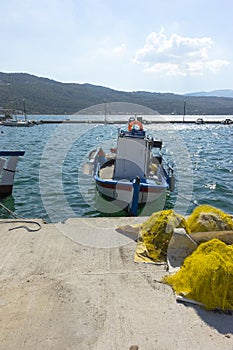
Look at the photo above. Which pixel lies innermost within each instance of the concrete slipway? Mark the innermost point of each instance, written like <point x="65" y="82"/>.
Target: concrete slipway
<point x="76" y="286"/>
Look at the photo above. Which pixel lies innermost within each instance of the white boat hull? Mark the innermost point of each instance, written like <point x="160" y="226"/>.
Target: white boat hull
<point x="18" y="123"/>
<point x="122" y="191"/>
<point x="7" y="171"/>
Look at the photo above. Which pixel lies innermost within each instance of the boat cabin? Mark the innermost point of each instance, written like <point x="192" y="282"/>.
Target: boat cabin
<point x="133" y="155"/>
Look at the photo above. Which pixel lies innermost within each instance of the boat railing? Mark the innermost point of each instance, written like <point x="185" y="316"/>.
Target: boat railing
<point x="98" y="159"/>
<point x="133" y="133"/>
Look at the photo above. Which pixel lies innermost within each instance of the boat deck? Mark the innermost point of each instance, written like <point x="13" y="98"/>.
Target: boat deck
<point x="108" y="172"/>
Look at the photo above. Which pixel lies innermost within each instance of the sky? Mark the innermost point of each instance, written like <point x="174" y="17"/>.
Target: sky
<point x="177" y="46"/>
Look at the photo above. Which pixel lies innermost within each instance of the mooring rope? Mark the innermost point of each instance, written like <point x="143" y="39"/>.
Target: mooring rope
<point x="19" y="220"/>
<point x="188" y="200"/>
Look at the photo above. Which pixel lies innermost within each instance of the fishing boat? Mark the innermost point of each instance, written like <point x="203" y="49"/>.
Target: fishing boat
<point x="7" y="171"/>
<point x="18" y="122"/>
<point x="132" y="174"/>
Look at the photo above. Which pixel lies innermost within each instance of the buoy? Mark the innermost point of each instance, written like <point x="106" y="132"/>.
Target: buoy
<point x="135" y="122"/>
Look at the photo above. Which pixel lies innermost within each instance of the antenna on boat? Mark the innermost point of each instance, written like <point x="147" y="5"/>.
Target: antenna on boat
<point x="184" y="110"/>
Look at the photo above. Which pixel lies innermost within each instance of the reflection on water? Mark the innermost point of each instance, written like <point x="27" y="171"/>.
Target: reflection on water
<point x="7" y="207"/>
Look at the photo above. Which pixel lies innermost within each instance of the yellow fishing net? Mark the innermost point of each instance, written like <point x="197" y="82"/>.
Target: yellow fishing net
<point x="207" y="218"/>
<point x="157" y="230"/>
<point x="155" y="235"/>
<point x="207" y="275"/>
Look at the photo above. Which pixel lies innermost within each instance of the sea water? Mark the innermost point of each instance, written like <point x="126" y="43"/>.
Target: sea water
<point x="50" y="183"/>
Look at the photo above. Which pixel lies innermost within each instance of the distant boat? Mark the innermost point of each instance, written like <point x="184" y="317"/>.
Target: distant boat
<point x="132" y="174"/>
<point x="200" y="121"/>
<point x="18" y="122"/>
<point x="7" y="171"/>
<point x="227" y="121"/>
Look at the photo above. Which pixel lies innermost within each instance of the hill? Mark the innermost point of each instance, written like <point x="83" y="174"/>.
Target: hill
<point x="217" y="93"/>
<point x="46" y="96"/>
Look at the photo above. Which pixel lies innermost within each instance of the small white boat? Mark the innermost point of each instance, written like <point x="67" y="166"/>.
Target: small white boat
<point x="17" y="122"/>
<point x="200" y="121"/>
<point x="7" y="171"/>
<point x="227" y="121"/>
<point x="132" y="174"/>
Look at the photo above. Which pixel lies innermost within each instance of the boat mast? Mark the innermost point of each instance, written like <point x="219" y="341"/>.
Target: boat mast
<point x="184" y="110"/>
<point x="24" y="109"/>
<point x="105" y="112"/>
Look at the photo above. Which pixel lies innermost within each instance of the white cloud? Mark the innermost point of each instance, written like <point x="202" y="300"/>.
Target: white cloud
<point x="106" y="50"/>
<point x="177" y="55"/>
<point x="120" y="50"/>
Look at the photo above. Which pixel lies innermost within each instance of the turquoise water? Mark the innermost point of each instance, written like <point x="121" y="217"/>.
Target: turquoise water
<point x="50" y="184"/>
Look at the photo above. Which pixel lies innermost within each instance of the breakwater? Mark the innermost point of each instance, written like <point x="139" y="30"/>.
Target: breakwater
<point x="160" y="121"/>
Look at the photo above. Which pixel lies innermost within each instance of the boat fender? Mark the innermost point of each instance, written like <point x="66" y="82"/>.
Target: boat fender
<point x="135" y="122"/>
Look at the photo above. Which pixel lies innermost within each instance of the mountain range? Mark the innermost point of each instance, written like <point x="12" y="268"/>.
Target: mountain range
<point x="217" y="93"/>
<point x="46" y="96"/>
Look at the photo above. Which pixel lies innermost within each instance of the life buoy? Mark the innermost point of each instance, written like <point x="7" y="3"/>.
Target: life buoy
<point x="135" y="122"/>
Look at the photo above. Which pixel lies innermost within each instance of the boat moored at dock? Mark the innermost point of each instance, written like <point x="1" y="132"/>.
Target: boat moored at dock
<point x="7" y="171"/>
<point x="132" y="174"/>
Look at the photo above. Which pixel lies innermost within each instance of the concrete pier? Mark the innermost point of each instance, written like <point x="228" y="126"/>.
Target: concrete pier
<point x="76" y="286"/>
<point x="146" y="122"/>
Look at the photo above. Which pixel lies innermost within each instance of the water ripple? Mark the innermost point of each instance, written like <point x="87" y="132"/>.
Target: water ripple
<point x="209" y="147"/>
